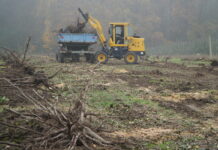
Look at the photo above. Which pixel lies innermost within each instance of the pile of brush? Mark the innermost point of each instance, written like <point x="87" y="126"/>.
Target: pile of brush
<point x="77" y="27"/>
<point x="41" y="124"/>
<point x="18" y="70"/>
<point x="48" y="127"/>
<point x="214" y="63"/>
<point x="17" y="65"/>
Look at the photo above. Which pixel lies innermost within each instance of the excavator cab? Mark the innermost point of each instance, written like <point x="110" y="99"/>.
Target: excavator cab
<point x="124" y="45"/>
<point x="118" y="34"/>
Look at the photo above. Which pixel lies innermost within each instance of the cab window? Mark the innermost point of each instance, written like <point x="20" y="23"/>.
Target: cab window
<point x="119" y="34"/>
<point x="111" y="32"/>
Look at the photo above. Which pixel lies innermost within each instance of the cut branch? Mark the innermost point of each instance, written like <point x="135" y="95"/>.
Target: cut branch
<point x="26" y="49"/>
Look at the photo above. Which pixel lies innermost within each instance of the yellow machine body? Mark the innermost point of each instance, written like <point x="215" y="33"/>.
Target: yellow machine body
<point x="133" y="44"/>
<point x="136" y="44"/>
<point x="120" y="44"/>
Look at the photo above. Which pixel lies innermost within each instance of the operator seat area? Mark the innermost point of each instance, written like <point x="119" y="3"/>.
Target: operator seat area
<point x="119" y="34"/>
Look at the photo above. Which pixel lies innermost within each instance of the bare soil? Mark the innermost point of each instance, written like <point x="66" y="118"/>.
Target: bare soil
<point x="151" y="105"/>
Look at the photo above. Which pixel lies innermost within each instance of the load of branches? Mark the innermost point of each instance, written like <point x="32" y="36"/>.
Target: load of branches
<point x="77" y="27"/>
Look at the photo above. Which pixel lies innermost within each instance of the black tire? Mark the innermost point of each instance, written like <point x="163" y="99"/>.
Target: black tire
<point x="92" y="58"/>
<point x="56" y="57"/>
<point x="60" y="58"/>
<point x="101" y="57"/>
<point x="88" y="57"/>
<point x="75" y="57"/>
<point x="131" y="58"/>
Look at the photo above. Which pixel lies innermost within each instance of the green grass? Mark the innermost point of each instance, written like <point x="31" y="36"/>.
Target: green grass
<point x="1" y="109"/>
<point x="190" y="63"/>
<point x="196" y="63"/>
<point x="3" y="99"/>
<point x="118" y="100"/>
<point x="103" y="100"/>
<point x="106" y="99"/>
<point x="176" y="60"/>
<point x="183" y="143"/>
<point x="1" y="67"/>
<point x="169" y="145"/>
<point x="180" y="61"/>
<point x="1" y="62"/>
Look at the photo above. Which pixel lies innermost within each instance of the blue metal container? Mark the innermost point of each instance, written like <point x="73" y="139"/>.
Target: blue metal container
<point x="82" y="38"/>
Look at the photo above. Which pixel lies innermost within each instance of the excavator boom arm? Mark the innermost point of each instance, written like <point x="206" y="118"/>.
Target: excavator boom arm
<point x="96" y="25"/>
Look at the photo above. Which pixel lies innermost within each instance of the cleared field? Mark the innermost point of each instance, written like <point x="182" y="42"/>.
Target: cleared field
<point x="151" y="105"/>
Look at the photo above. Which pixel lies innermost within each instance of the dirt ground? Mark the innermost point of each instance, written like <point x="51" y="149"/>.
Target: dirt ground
<point x="150" y="105"/>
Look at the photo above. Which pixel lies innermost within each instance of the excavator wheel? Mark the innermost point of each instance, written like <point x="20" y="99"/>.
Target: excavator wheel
<point x="102" y="57"/>
<point x="131" y="58"/>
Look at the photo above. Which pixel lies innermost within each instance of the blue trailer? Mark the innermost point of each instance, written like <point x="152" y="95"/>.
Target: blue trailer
<point x="74" y="45"/>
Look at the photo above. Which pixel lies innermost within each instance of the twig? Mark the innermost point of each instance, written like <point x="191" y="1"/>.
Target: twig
<point x="52" y="76"/>
<point x="11" y="144"/>
<point x="26" y="49"/>
<point x="12" y="54"/>
<point x="94" y="135"/>
<point x="74" y="141"/>
<point x="85" y="144"/>
<point x="23" y="128"/>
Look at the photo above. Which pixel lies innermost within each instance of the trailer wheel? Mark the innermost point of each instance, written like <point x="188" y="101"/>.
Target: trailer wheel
<point x="102" y="57"/>
<point x="56" y="57"/>
<point x="87" y="56"/>
<point x="92" y="58"/>
<point x="60" y="58"/>
<point x="131" y="58"/>
<point x="75" y="58"/>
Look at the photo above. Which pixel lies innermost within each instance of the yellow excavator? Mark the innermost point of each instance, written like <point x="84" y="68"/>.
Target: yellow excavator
<point x="120" y="44"/>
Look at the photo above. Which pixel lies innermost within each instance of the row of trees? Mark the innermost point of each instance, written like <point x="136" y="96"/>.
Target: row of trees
<point x="161" y="22"/>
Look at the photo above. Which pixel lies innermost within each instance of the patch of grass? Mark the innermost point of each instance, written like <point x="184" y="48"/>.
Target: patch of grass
<point x="212" y="91"/>
<point x="154" y="81"/>
<point x="3" y="100"/>
<point x="184" y="143"/>
<point x="195" y="63"/>
<point x="1" y="109"/>
<point x="1" y="63"/>
<point x="190" y="143"/>
<point x="163" y="82"/>
<point x="169" y="145"/>
<point x="66" y="93"/>
<point x="155" y="58"/>
<point x="139" y="67"/>
<point x="164" y="94"/>
<point x="176" y="60"/>
<point x="106" y="99"/>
